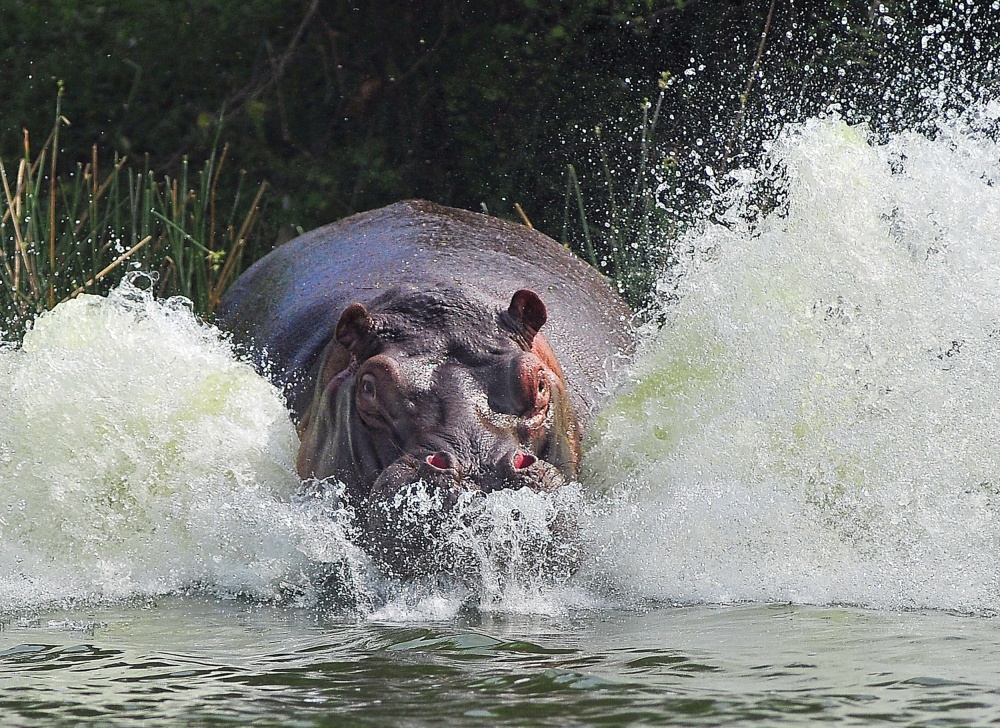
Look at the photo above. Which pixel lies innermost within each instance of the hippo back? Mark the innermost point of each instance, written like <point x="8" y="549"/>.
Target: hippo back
<point x="287" y="304"/>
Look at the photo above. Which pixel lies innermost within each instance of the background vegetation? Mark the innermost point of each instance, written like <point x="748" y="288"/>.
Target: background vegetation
<point x="606" y="121"/>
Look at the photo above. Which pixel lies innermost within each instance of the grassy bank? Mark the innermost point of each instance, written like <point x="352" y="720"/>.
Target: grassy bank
<point x="67" y="232"/>
<point x="63" y="234"/>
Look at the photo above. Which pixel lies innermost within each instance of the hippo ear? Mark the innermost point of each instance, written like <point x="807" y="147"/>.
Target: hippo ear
<point x="527" y="313"/>
<point x="354" y="327"/>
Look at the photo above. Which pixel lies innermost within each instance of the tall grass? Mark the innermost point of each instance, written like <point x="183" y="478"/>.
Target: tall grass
<point x="624" y="230"/>
<point x="79" y="232"/>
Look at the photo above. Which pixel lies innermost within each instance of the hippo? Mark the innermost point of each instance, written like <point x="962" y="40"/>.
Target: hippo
<point x="421" y="344"/>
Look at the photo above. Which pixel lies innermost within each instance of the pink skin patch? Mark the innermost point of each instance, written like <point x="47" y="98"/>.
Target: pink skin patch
<point x="523" y="460"/>
<point x="438" y="460"/>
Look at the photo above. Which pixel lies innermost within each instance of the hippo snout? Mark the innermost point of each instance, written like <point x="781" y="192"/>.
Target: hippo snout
<point x="443" y="472"/>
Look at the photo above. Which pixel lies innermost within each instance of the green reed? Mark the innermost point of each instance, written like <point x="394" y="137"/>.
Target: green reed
<point x="79" y="232"/>
<point x="632" y="243"/>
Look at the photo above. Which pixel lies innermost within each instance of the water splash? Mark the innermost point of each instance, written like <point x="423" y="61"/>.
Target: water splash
<point x="138" y="457"/>
<point x="818" y="422"/>
<point x="512" y="552"/>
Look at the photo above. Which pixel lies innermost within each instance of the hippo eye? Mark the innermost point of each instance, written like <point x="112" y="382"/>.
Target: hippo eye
<point x="367" y="388"/>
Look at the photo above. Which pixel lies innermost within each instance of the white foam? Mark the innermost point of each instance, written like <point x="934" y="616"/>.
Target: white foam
<point x="819" y="421"/>
<point x="137" y="456"/>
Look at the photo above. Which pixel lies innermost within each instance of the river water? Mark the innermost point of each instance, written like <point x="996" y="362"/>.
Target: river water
<point x="791" y="512"/>
<point x="194" y="661"/>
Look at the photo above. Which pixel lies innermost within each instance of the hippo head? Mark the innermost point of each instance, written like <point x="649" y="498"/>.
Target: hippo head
<point x="437" y="387"/>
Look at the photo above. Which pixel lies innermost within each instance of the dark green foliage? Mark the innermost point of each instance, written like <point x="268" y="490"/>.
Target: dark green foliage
<point x="608" y="121"/>
<point x="146" y="77"/>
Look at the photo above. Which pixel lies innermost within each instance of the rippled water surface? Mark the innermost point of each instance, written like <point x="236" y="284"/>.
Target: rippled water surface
<point x="196" y="662"/>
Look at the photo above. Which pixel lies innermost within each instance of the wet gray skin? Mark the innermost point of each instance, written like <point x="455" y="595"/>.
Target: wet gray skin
<point x="421" y="344"/>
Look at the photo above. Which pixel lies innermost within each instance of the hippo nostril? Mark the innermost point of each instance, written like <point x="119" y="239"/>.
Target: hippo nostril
<point x="523" y="460"/>
<point x="441" y="461"/>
